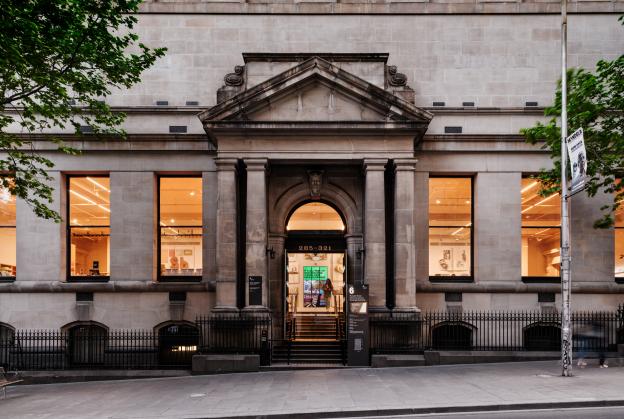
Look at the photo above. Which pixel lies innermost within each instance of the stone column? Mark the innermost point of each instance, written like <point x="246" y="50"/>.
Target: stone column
<point x="355" y="259"/>
<point x="375" y="232"/>
<point x="256" y="243"/>
<point x="226" y="235"/>
<point x="209" y="216"/>
<point x="40" y="244"/>
<point x="277" y="281"/>
<point x="421" y="226"/>
<point x="133" y="227"/>
<point x="404" y="240"/>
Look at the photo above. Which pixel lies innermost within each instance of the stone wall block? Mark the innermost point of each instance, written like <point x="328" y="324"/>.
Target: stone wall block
<point x="132" y="243"/>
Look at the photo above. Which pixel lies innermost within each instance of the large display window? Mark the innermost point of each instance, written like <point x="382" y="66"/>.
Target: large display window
<point x="89" y="228"/>
<point x="180" y="229"/>
<point x="541" y="229"/>
<point x="8" y="244"/>
<point x="450" y="228"/>
<point x="619" y="242"/>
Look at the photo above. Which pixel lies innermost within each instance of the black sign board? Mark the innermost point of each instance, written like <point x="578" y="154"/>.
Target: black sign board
<point x="357" y="325"/>
<point x="255" y="290"/>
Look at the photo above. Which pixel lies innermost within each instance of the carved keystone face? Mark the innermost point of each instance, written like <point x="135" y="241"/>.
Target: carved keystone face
<point x="315" y="183"/>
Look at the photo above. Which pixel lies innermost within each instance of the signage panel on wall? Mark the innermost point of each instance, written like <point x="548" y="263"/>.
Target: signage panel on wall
<point x="255" y="290"/>
<point x="357" y="325"/>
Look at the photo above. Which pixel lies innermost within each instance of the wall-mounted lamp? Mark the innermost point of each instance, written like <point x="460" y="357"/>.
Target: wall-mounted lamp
<point x="271" y="252"/>
<point x="359" y="253"/>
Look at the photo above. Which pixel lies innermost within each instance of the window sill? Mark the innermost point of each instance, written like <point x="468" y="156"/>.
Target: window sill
<point x="194" y="279"/>
<point x="541" y="279"/>
<point x="87" y="279"/>
<point x="451" y="279"/>
<point x="619" y="280"/>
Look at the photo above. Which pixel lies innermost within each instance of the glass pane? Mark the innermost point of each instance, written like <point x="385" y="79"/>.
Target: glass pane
<point x="90" y="251"/>
<point x="89" y="201"/>
<point x="536" y="209"/>
<point x="180" y="251"/>
<point x="315" y="216"/>
<point x="540" y="252"/>
<point x="449" y="251"/>
<point x="7" y="208"/>
<point x="619" y="252"/>
<point x="7" y="252"/>
<point x="450" y="201"/>
<point x="181" y="201"/>
<point x="619" y="214"/>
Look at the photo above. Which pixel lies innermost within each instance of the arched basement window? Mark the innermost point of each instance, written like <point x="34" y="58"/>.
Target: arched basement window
<point x="315" y="216"/>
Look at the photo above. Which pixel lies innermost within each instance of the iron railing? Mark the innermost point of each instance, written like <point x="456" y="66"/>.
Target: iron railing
<point x="237" y="333"/>
<point x="116" y="349"/>
<point x="492" y="331"/>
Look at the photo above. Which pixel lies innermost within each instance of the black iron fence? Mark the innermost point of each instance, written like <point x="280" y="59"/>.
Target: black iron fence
<point x="493" y="331"/>
<point x="237" y="333"/>
<point x="116" y="349"/>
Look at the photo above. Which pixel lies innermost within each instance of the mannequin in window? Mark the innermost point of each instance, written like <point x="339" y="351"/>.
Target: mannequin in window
<point x="183" y="263"/>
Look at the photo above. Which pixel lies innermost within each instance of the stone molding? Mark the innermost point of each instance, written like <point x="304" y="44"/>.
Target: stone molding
<point x="374" y="165"/>
<point x="24" y="286"/>
<point x="389" y="7"/>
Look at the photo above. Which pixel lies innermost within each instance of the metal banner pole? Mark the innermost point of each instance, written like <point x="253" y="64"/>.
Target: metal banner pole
<point x="566" y="327"/>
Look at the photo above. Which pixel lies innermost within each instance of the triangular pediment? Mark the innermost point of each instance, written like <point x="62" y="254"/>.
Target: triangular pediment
<point x="315" y="90"/>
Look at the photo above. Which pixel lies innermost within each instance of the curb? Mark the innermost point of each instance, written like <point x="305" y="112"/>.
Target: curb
<point x="429" y="410"/>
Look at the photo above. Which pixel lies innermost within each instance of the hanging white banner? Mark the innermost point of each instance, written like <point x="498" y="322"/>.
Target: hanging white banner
<point x="578" y="160"/>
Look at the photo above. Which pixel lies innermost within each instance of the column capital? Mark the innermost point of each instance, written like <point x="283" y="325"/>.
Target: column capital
<point x="374" y="164"/>
<point x="405" y="164"/>
<point x="225" y="164"/>
<point x="256" y="165"/>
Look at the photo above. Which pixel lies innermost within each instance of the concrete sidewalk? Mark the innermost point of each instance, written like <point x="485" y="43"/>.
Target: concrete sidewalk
<point x="323" y="393"/>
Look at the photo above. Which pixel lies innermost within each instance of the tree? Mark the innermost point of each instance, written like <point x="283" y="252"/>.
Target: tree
<point x="58" y="60"/>
<point x="596" y="104"/>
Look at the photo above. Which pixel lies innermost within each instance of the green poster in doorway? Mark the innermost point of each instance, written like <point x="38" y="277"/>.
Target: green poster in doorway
<point x="313" y="279"/>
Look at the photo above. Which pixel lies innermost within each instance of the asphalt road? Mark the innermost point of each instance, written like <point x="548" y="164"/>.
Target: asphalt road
<point x="583" y="413"/>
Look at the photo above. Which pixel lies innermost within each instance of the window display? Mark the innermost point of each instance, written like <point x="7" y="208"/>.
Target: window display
<point x="8" y="245"/>
<point x="180" y="214"/>
<point x="89" y="226"/>
<point x="541" y="227"/>
<point x="450" y="227"/>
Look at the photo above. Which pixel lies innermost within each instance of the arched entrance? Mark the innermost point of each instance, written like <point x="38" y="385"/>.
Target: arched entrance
<point x="315" y="276"/>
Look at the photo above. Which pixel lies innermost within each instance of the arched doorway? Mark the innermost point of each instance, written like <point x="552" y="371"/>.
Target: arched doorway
<point x="177" y="343"/>
<point x="315" y="259"/>
<point x="87" y="344"/>
<point x="315" y="275"/>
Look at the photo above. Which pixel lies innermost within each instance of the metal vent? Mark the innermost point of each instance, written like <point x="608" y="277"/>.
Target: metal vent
<point x="162" y="103"/>
<point x="452" y="130"/>
<point x="177" y="296"/>
<point x="177" y="129"/>
<point x="453" y="297"/>
<point x="545" y="297"/>
<point x="86" y="129"/>
<point x="84" y="296"/>
<point x="530" y="104"/>
<point x="439" y="104"/>
<point x="468" y="104"/>
<point x="192" y="103"/>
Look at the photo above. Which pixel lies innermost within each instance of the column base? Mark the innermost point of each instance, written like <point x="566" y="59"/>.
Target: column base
<point x="256" y="311"/>
<point x="225" y="310"/>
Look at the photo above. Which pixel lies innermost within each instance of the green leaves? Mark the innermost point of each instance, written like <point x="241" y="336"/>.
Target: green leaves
<point x="54" y="54"/>
<point x="596" y="104"/>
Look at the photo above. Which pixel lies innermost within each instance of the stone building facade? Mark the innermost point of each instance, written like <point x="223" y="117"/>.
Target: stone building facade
<point x="377" y="109"/>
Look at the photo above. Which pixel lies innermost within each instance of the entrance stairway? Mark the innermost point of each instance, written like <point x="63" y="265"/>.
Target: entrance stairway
<point x="315" y="342"/>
